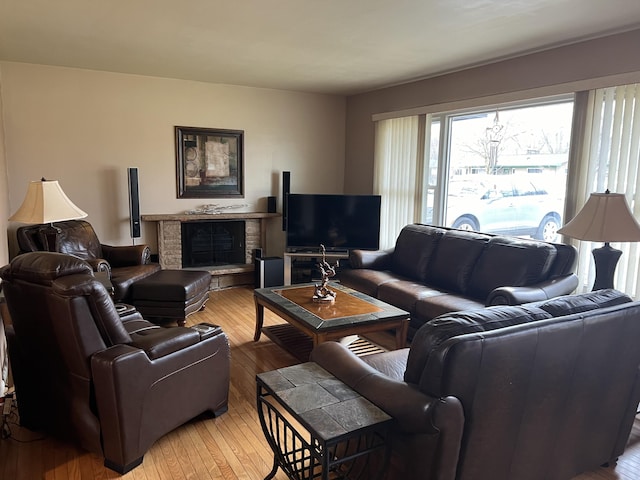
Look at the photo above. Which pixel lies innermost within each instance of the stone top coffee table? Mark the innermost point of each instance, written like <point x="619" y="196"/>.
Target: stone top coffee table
<point x="352" y="313"/>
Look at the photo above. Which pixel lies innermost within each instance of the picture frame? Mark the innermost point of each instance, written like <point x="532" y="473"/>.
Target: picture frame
<point x="209" y="162"/>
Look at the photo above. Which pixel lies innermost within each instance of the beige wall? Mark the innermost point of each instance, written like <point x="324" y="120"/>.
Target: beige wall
<point x="84" y="128"/>
<point x="4" y="187"/>
<point x="603" y="62"/>
<point x="4" y="257"/>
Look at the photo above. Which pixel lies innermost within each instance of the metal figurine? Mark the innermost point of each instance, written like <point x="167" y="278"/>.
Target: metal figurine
<point x="322" y="292"/>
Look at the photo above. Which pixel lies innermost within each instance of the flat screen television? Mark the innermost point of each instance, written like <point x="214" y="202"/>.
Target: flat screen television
<point x="339" y="222"/>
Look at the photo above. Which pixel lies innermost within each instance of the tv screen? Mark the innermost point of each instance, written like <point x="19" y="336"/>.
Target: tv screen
<point x="339" y="222"/>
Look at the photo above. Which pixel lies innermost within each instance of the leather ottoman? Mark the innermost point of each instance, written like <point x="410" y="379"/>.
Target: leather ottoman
<point x="171" y="294"/>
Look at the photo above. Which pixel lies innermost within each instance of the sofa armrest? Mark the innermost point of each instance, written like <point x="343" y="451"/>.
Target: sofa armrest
<point x="159" y="342"/>
<point x="555" y="287"/>
<point x="373" y="259"/>
<point x="415" y="412"/>
<point x="139" y="399"/>
<point x="126" y="255"/>
<point x="431" y="427"/>
<point x="99" y="265"/>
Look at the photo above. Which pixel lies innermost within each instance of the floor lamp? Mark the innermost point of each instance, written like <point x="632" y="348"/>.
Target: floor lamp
<point x="604" y="218"/>
<point x="45" y="202"/>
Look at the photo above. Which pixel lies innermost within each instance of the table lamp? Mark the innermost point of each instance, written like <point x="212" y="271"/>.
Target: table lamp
<point x="604" y="218"/>
<point x="45" y="202"/>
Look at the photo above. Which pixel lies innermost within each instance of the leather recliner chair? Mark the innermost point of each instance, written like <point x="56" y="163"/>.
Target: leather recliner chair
<point x="113" y="383"/>
<point x="123" y="265"/>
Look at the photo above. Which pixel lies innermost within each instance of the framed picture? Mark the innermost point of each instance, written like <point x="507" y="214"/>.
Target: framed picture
<point x="209" y="162"/>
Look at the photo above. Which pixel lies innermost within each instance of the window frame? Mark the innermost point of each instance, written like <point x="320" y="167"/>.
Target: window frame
<point x="446" y="118"/>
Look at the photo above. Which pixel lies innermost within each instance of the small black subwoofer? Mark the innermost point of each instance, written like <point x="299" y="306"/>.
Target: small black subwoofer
<point x="271" y="204"/>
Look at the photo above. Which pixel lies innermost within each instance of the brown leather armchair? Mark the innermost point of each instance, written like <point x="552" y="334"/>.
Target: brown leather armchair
<point x="113" y="383"/>
<point x="123" y="265"/>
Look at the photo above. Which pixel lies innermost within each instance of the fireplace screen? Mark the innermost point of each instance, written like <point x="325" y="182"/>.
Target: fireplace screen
<point x="210" y="244"/>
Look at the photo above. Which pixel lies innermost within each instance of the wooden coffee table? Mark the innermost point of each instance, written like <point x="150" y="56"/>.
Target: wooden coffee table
<point x="352" y="313"/>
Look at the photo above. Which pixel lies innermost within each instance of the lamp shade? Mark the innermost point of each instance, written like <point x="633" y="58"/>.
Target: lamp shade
<point x="45" y="202"/>
<point x="604" y="218"/>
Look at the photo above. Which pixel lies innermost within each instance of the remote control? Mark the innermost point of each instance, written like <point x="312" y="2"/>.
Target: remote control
<point x="204" y="328"/>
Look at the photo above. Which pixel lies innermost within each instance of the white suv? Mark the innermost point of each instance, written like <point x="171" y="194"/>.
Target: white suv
<point x="505" y="204"/>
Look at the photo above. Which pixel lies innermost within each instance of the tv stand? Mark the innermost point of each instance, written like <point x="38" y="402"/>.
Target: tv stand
<point x="303" y="253"/>
<point x="317" y="251"/>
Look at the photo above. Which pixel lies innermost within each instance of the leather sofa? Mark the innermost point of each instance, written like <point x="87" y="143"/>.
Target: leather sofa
<point x="435" y="270"/>
<point x="538" y="391"/>
<point x="122" y="265"/>
<point x="109" y="381"/>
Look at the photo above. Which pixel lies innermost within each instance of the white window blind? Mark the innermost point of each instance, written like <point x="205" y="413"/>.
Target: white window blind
<point x="610" y="161"/>
<point x="396" y="175"/>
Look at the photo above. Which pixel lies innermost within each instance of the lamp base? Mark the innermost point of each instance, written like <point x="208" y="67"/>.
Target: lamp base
<point x="50" y="233"/>
<point x="606" y="259"/>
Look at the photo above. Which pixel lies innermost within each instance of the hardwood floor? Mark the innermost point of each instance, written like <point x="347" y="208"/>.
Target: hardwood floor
<point x="229" y="447"/>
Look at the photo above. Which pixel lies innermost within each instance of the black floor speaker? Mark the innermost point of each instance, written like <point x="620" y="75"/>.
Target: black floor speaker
<point x="269" y="272"/>
<point x="134" y="202"/>
<point x="286" y="189"/>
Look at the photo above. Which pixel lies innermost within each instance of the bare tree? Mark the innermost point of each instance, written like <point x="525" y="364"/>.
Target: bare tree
<point x="500" y="137"/>
<point x="490" y="145"/>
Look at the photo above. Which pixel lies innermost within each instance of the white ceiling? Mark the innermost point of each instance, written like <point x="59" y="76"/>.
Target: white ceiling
<point x="325" y="46"/>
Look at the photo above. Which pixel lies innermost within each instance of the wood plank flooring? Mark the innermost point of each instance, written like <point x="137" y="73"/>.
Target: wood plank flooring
<point x="229" y="447"/>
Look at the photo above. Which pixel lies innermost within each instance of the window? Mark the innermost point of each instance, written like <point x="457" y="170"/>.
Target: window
<point x="500" y="169"/>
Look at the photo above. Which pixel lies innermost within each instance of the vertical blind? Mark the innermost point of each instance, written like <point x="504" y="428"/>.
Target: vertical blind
<point x="611" y="153"/>
<point x="396" y="178"/>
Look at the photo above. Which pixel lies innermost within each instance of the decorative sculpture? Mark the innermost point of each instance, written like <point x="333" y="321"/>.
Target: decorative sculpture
<point x="322" y="293"/>
<point x="212" y="209"/>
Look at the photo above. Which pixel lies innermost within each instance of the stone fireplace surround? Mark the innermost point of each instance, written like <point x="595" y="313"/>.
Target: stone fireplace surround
<point x="170" y="243"/>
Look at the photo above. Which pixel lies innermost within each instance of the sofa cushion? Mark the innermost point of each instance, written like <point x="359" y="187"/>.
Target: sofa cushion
<point x="428" y="308"/>
<point x="459" y="248"/>
<point x="414" y="247"/>
<point x="568" y="304"/>
<point x="433" y="333"/>
<point x="405" y="294"/>
<point x="78" y="238"/>
<point x="391" y="363"/>
<point x="124" y="277"/>
<point x="510" y="261"/>
<point x="366" y="280"/>
<point x="565" y="261"/>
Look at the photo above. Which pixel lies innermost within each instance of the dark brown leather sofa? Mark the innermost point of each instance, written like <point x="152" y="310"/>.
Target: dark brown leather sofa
<point x="123" y="265"/>
<point x="530" y="392"/>
<point x="113" y="383"/>
<point x="435" y="270"/>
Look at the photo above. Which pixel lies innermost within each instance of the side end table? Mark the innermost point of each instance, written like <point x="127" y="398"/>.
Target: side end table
<point x="317" y="426"/>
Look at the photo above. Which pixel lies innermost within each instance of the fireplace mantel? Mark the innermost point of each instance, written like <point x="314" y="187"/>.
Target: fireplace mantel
<point x="170" y="233"/>
<point x="187" y="217"/>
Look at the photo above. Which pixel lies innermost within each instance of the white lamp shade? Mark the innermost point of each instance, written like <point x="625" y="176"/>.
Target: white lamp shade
<point x="45" y="202"/>
<point x="604" y="218"/>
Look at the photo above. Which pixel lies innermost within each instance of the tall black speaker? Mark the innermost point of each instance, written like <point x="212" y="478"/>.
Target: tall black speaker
<point x="286" y="189"/>
<point x="134" y="202"/>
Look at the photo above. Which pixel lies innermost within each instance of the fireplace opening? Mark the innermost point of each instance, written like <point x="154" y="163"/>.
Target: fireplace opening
<point x="210" y="244"/>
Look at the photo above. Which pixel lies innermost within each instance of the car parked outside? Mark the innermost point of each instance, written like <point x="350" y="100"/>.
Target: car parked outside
<point x="518" y="205"/>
